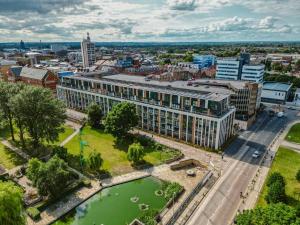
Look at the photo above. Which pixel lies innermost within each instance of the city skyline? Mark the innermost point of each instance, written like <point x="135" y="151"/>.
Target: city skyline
<point x="157" y="20"/>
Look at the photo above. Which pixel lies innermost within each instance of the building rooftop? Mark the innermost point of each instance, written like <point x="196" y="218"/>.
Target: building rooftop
<point x="275" y="86"/>
<point x="32" y="73"/>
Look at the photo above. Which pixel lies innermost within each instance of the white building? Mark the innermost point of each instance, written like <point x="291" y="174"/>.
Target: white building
<point x="253" y="73"/>
<point x="88" y="52"/>
<point x="75" y="57"/>
<point x="228" y="69"/>
<point x="274" y="92"/>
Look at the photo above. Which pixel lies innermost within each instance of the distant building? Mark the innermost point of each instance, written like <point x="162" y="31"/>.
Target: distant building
<point x="273" y="92"/>
<point x="22" y="45"/>
<point x="204" y="61"/>
<point x="58" y="47"/>
<point x="239" y="69"/>
<point x="75" y="57"/>
<point x="88" y="52"/>
<point x="38" y="77"/>
<point x="126" y="62"/>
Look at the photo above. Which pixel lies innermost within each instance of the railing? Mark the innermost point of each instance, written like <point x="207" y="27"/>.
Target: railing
<point x="189" y="199"/>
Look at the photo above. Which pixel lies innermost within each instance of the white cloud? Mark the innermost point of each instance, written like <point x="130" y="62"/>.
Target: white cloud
<point x="184" y="5"/>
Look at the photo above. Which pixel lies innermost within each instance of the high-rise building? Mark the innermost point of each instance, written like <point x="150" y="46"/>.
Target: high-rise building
<point x="88" y="52"/>
<point x="22" y="45"/>
<point x="239" y="69"/>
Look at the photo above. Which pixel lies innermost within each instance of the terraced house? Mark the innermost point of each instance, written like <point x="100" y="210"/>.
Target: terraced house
<point x="174" y="109"/>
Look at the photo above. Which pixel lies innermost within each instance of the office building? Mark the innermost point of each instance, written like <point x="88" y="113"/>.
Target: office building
<point x="253" y="73"/>
<point x="88" y="52"/>
<point x="239" y="69"/>
<point x="174" y="109"/>
<point x="204" y="61"/>
<point x="274" y="92"/>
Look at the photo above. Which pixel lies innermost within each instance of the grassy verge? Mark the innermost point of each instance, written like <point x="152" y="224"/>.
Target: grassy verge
<point x="9" y="159"/>
<point x="294" y="134"/>
<point x="286" y="162"/>
<point x="114" y="154"/>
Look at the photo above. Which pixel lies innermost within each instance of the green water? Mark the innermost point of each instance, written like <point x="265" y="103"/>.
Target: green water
<point x="114" y="206"/>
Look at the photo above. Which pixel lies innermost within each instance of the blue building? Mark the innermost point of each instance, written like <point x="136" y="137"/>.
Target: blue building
<point x="204" y="61"/>
<point x="65" y="74"/>
<point x="125" y="62"/>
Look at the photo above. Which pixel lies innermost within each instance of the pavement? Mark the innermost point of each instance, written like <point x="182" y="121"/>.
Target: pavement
<point x="223" y="201"/>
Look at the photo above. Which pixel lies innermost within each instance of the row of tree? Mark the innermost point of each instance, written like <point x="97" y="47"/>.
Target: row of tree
<point x="276" y="212"/>
<point x="33" y="110"/>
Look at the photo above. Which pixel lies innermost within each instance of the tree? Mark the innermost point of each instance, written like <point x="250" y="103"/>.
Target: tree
<point x="11" y="204"/>
<point x="275" y="177"/>
<point x="121" y="119"/>
<point x="7" y="90"/>
<point x="42" y="114"/>
<point x="298" y="176"/>
<point x="135" y="152"/>
<point x="270" y="215"/>
<point x="50" y="178"/>
<point x="297" y="65"/>
<point x="94" y="115"/>
<point x="276" y="193"/>
<point x="95" y="161"/>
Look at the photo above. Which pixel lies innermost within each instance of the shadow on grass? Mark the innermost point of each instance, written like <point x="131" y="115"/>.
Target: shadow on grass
<point x="13" y="157"/>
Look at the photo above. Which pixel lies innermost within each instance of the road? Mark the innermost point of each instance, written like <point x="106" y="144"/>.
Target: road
<point x="221" y="204"/>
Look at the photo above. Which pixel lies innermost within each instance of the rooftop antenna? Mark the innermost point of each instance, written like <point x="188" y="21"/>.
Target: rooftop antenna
<point x="88" y="36"/>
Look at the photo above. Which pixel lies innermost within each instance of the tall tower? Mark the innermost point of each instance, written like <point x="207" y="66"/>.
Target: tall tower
<point x="88" y="52"/>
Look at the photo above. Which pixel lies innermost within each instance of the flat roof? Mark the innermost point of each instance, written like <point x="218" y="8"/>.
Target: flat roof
<point x="275" y="86"/>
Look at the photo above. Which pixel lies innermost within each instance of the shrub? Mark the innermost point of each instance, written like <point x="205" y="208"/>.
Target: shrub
<point x="298" y="176"/>
<point x="145" y="141"/>
<point x="170" y="189"/>
<point x="61" y="152"/>
<point x="135" y="152"/>
<point x="275" y="177"/>
<point x="148" y="217"/>
<point x="34" y="213"/>
<point x="276" y="193"/>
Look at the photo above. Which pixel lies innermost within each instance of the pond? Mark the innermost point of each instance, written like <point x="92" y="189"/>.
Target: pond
<point x="118" y="205"/>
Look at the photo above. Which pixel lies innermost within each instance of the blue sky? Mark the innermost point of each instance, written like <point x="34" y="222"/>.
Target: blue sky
<point x="150" y="20"/>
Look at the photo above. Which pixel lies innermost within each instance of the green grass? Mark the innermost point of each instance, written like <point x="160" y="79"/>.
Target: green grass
<point x="64" y="135"/>
<point x="114" y="155"/>
<point x="286" y="162"/>
<point x="9" y="159"/>
<point x="294" y="134"/>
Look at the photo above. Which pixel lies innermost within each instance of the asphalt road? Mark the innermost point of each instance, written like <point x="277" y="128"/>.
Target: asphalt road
<point x="221" y="204"/>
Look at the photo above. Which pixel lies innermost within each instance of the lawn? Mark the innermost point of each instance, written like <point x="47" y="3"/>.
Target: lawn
<point x="294" y="134"/>
<point x="287" y="162"/>
<point x="64" y="135"/>
<point x="113" y="154"/>
<point x="8" y="158"/>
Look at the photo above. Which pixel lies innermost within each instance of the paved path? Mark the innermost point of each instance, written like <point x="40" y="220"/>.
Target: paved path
<point x="291" y="145"/>
<point x="70" y="137"/>
<point x="15" y="149"/>
<point x="192" y="152"/>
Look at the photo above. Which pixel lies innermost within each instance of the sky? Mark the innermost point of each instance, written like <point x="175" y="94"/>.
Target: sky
<point x="150" y="20"/>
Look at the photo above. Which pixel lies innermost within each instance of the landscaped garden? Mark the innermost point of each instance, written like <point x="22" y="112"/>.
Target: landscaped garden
<point x="287" y="163"/>
<point x="114" y="153"/>
<point x="142" y="199"/>
<point x="294" y="134"/>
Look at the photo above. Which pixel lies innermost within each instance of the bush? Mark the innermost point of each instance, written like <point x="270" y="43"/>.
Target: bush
<point x="171" y="188"/>
<point x="276" y="193"/>
<point x="298" y="176"/>
<point x="275" y="177"/>
<point x="148" y="217"/>
<point x="34" y="213"/>
<point x="61" y="152"/>
<point x="145" y="141"/>
<point x="135" y="152"/>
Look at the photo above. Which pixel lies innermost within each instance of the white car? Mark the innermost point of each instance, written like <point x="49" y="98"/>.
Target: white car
<point x="256" y="154"/>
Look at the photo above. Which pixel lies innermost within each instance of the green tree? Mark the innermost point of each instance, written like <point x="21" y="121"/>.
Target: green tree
<point x="135" y="152"/>
<point x="11" y="204"/>
<point x="7" y="90"/>
<point x="274" y="214"/>
<point x="43" y="115"/>
<point x="95" y="115"/>
<point x="95" y="161"/>
<point x="50" y="178"/>
<point x="275" y="177"/>
<point x="297" y="65"/>
<point x="121" y="119"/>
<point x="276" y="193"/>
<point x="298" y="176"/>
